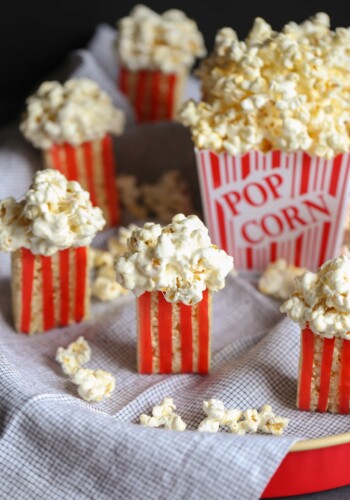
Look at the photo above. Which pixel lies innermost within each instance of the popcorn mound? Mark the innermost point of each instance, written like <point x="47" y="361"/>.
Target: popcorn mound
<point x="287" y="91"/>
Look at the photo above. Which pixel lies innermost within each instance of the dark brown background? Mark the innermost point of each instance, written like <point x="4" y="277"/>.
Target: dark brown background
<point x="36" y="36"/>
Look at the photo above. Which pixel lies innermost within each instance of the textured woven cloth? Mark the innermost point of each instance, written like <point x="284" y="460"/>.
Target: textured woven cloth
<point x="54" y="445"/>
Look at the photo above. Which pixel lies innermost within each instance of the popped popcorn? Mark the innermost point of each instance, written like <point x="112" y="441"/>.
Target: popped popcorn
<point x="93" y="385"/>
<point x="277" y="279"/>
<point x="163" y="415"/>
<point x="169" y="42"/>
<point x="117" y="245"/>
<point x="287" y="91"/>
<point x="178" y="259"/>
<point x="270" y="423"/>
<point x="75" y="112"/>
<point x="106" y="289"/>
<point x="218" y="415"/>
<point x="55" y="214"/>
<point x="321" y="300"/>
<point x="78" y="353"/>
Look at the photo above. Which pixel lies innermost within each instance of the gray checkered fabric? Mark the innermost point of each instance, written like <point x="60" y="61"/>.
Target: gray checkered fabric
<point x="54" y="445"/>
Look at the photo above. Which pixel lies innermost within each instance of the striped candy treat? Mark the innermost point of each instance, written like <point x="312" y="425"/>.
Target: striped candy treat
<point x="50" y="291"/>
<point x="324" y="373"/>
<point x="155" y="95"/>
<point x="92" y="164"/>
<point x="263" y="206"/>
<point x="173" y="337"/>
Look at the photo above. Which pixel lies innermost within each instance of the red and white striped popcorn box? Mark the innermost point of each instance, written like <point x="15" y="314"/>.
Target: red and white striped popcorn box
<point x="50" y="291"/>
<point x="173" y="337"/>
<point x="92" y="164"/>
<point x="154" y="95"/>
<point x="263" y="206"/>
<point x="324" y="373"/>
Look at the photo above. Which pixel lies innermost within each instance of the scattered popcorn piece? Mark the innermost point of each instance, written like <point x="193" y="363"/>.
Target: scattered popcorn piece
<point x="238" y="428"/>
<point x="130" y="196"/>
<point x="214" y="409"/>
<point x="218" y="415"/>
<point x="209" y="425"/>
<point x="277" y="279"/>
<point x="251" y="420"/>
<point x="117" y="245"/>
<point x="163" y="415"/>
<point x="93" y="385"/>
<point x="74" y="356"/>
<point x="270" y="423"/>
<point x="106" y="289"/>
<point x="101" y="258"/>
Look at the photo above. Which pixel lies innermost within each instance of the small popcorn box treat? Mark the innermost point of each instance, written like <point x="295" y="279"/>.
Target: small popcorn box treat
<point x="49" y="291"/>
<point x="155" y="53"/>
<point x="320" y="305"/>
<point x="172" y="270"/>
<point x="72" y="124"/>
<point x="260" y="207"/>
<point x="273" y="169"/>
<point x="48" y="234"/>
<point x="155" y="96"/>
<point x="173" y="337"/>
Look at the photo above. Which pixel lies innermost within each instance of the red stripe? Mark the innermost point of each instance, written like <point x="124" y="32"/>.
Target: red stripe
<point x="204" y="333"/>
<point x="170" y="98"/>
<point x="324" y="242"/>
<point x="202" y="156"/>
<point x="186" y="338"/>
<point x="341" y="203"/>
<point x="327" y="356"/>
<point x="344" y="388"/>
<point x="305" y="174"/>
<point x="55" y="157"/>
<point x="222" y="230"/>
<point x="215" y="168"/>
<point x="141" y="77"/>
<point x="123" y="80"/>
<point x="72" y="165"/>
<point x="298" y="250"/>
<point x="273" y="251"/>
<point x="276" y="159"/>
<point x="155" y="77"/>
<point x="144" y="332"/>
<point x="80" y="282"/>
<point x="88" y="158"/>
<point x="245" y="165"/>
<point x="165" y="334"/>
<point x="64" y="286"/>
<point x="307" y="358"/>
<point x="249" y="257"/>
<point x="48" y="303"/>
<point x="109" y="177"/>
<point x="28" y="260"/>
<point x="335" y="175"/>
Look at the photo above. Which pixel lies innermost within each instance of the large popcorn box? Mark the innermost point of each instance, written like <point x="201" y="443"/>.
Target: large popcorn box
<point x="154" y="95"/>
<point x="50" y="291"/>
<point x="173" y="337"/>
<point x="263" y="206"/>
<point x="92" y="164"/>
<point x="324" y="373"/>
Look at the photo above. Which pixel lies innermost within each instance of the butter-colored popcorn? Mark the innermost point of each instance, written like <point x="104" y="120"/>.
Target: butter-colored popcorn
<point x="163" y="415"/>
<point x="168" y="42"/>
<point x="277" y="279"/>
<point x="78" y="353"/>
<point x="178" y="259"/>
<point x="101" y="258"/>
<point x="106" y="289"/>
<point x="75" y="112"/>
<point x="270" y="423"/>
<point x="288" y="91"/>
<point x="322" y="299"/>
<point x="218" y="415"/>
<point x="251" y="420"/>
<point x="55" y="214"/>
<point x="130" y="196"/>
<point x="93" y="385"/>
<point x="117" y="245"/>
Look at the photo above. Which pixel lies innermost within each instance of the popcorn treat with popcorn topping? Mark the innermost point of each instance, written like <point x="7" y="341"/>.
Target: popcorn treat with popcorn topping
<point x="277" y="279"/>
<point x="285" y="91"/>
<point x="93" y="385"/>
<point x="78" y="353"/>
<point x="320" y="304"/>
<point x="168" y="42"/>
<point x="178" y="260"/>
<point x="75" y="112"/>
<point x="164" y="415"/>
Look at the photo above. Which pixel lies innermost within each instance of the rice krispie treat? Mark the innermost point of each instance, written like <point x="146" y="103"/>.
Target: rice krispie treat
<point x="320" y="304"/>
<point x="156" y="52"/>
<point x="72" y="123"/>
<point x="48" y="234"/>
<point x="172" y="270"/>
